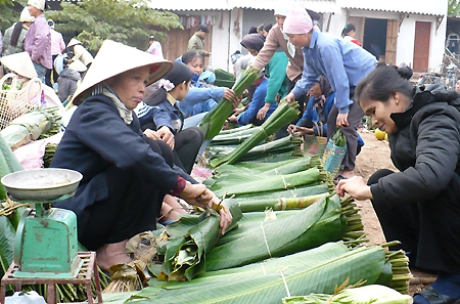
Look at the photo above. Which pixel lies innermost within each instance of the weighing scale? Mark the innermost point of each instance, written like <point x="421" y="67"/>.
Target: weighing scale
<point x="46" y="244"/>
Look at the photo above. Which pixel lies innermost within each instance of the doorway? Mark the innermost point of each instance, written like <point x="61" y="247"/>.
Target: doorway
<point x="375" y="37"/>
<point x="422" y="46"/>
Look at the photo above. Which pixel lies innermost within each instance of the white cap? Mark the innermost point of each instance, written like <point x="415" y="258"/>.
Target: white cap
<point x="40" y="4"/>
<point x="25" y="16"/>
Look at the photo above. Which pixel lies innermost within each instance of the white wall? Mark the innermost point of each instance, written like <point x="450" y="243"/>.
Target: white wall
<point x="406" y="36"/>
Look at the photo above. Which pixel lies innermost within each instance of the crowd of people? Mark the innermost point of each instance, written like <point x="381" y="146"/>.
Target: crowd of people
<point x="135" y="139"/>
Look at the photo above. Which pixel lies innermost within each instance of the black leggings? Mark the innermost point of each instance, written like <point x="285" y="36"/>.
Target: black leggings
<point x="428" y="231"/>
<point x="132" y="206"/>
<point x="188" y="143"/>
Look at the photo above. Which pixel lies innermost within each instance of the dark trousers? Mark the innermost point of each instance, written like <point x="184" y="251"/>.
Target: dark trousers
<point x="48" y="74"/>
<point x="428" y="231"/>
<point x="355" y="116"/>
<point x="132" y="206"/>
<point x="303" y="101"/>
<point x="188" y="143"/>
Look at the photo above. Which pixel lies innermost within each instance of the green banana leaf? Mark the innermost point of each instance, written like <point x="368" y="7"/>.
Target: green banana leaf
<point x="6" y="244"/>
<point x="235" y="130"/>
<point x="308" y="190"/>
<point x="191" y="238"/>
<point x="318" y="270"/>
<point x="279" y="204"/>
<point x="320" y="223"/>
<point x="262" y="183"/>
<point x="285" y="113"/>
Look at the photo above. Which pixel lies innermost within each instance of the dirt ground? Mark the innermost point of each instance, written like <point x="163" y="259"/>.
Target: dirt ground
<point x="375" y="155"/>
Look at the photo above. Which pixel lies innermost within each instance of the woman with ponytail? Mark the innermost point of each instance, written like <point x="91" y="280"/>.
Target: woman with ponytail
<point x="161" y="117"/>
<point x="200" y="100"/>
<point x="420" y="204"/>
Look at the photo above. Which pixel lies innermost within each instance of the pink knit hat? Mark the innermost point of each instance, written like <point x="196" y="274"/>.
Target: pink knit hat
<point x="297" y="21"/>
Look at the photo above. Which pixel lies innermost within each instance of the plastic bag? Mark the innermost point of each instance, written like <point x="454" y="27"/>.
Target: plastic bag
<point x="334" y="154"/>
<point x="25" y="298"/>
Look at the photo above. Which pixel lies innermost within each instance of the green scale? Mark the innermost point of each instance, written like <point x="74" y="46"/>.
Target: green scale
<point x="46" y="244"/>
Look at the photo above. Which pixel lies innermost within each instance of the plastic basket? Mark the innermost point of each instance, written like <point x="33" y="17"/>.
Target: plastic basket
<point x="14" y="103"/>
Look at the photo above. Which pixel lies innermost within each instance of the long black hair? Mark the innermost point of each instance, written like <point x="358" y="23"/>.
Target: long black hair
<point x="348" y="28"/>
<point x="180" y="73"/>
<point x="383" y="81"/>
<point x="16" y="33"/>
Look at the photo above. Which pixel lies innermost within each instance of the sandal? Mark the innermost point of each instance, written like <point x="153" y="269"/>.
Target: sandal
<point x="435" y="297"/>
<point x="338" y="179"/>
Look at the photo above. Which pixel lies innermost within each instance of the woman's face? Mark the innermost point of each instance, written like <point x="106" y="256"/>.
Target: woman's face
<point x="315" y="90"/>
<point x="457" y="86"/>
<point x="252" y="52"/>
<point x="280" y="20"/>
<point x="380" y="111"/>
<point x="130" y="86"/>
<point x="352" y="33"/>
<point x="33" y="11"/>
<point x="196" y="65"/>
<point x="299" y="40"/>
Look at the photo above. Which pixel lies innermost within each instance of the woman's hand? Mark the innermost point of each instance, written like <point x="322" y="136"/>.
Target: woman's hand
<point x="342" y="120"/>
<point x="238" y="111"/>
<point x="233" y="118"/>
<point x="225" y="215"/>
<point x="355" y="187"/>
<point x="152" y="134"/>
<point x="296" y="130"/>
<point x="289" y="98"/>
<point x="197" y="194"/>
<point x="229" y="94"/>
<point x="167" y="136"/>
<point x="236" y="102"/>
<point x="263" y="111"/>
<point x="201" y="196"/>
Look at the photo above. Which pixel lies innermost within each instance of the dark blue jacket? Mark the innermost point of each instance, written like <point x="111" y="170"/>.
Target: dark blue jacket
<point x="98" y="138"/>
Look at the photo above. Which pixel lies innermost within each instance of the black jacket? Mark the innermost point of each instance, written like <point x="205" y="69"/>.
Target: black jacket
<point x="426" y="150"/>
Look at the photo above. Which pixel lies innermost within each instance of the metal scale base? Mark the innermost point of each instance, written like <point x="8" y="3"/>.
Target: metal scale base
<point x="87" y="271"/>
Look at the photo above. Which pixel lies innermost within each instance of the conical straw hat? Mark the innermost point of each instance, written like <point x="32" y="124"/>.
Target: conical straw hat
<point x="115" y="58"/>
<point x="21" y="64"/>
<point x="73" y="42"/>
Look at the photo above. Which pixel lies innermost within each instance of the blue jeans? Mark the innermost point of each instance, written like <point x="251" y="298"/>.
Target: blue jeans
<point x="41" y="71"/>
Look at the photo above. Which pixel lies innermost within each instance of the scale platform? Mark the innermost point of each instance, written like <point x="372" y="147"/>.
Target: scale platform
<point x="46" y="244"/>
<point x="84" y="276"/>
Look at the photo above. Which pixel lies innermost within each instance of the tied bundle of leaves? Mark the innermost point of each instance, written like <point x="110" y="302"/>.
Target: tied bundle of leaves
<point x="213" y="121"/>
<point x="233" y="138"/>
<point x="30" y="126"/>
<point x="279" y="204"/>
<point x="245" y="184"/>
<point x="285" y="113"/>
<point x="371" y="294"/>
<point x="311" y="227"/>
<point x="188" y="241"/>
<point x="319" y="270"/>
<point x="49" y="153"/>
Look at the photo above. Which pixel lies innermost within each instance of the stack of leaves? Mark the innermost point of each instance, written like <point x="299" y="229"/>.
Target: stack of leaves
<point x="246" y="184"/>
<point x="186" y="243"/>
<point x="275" y="147"/>
<point x="311" y="227"/>
<point x="234" y="138"/>
<point x="49" y="153"/>
<point x="284" y="114"/>
<point x="224" y="78"/>
<point x="30" y="126"/>
<point x="213" y="122"/>
<point x="318" y="270"/>
<point x="371" y="294"/>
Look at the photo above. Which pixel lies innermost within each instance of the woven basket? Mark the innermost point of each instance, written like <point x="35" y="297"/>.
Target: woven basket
<point x="14" y="102"/>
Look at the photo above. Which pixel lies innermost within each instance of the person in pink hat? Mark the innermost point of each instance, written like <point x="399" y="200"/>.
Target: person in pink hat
<point x="343" y="64"/>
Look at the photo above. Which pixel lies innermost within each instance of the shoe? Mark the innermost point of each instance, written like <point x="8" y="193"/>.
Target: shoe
<point x="338" y="179"/>
<point x="435" y="297"/>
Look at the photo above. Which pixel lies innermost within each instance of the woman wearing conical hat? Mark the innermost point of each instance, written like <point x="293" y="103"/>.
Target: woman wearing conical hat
<point x="80" y="54"/>
<point x="125" y="174"/>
